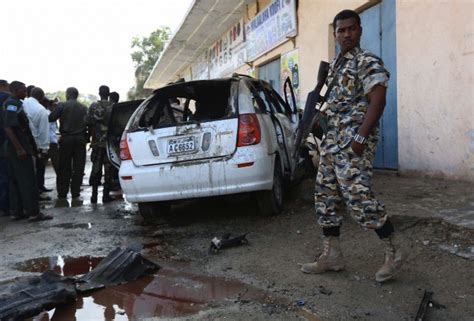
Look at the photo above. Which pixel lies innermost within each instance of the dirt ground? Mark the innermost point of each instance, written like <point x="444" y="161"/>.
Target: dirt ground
<point x="262" y="281"/>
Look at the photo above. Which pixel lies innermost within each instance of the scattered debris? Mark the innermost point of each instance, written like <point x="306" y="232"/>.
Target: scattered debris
<point x="324" y="291"/>
<point x="27" y="296"/>
<point x="466" y="252"/>
<point x="226" y="241"/>
<point x="427" y="302"/>
<point x="120" y="266"/>
<point x="24" y="297"/>
<point x="423" y="308"/>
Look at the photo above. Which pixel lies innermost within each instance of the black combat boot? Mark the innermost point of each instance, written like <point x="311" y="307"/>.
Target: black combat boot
<point x="95" y="191"/>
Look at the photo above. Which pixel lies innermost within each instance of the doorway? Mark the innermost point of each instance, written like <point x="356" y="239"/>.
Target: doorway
<point x="379" y="36"/>
<point x="270" y="72"/>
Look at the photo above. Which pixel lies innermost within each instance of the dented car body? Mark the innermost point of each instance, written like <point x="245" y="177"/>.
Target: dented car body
<point x="206" y="138"/>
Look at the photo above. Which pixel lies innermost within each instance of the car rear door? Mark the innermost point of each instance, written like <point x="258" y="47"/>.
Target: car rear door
<point x="161" y="139"/>
<point x="121" y="113"/>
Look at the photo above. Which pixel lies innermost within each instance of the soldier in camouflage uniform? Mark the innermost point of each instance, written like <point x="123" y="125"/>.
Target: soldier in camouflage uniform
<point x="355" y="105"/>
<point x="98" y="119"/>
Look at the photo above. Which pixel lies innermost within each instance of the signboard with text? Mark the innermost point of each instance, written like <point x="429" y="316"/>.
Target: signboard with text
<point x="272" y="26"/>
<point x="228" y="53"/>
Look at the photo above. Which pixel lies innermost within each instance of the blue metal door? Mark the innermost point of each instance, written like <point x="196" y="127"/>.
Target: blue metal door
<point x="270" y="72"/>
<point x="378" y="36"/>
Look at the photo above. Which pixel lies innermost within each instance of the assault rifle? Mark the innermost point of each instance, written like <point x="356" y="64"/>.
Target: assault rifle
<point x="312" y="111"/>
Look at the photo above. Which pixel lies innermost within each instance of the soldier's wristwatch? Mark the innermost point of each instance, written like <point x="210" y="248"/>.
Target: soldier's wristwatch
<point x="360" y="139"/>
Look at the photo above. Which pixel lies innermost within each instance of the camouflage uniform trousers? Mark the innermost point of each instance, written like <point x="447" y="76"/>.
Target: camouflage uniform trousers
<point x="99" y="159"/>
<point x="348" y="174"/>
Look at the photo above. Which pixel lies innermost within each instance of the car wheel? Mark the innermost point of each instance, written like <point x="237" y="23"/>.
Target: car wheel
<point x="153" y="210"/>
<point x="271" y="202"/>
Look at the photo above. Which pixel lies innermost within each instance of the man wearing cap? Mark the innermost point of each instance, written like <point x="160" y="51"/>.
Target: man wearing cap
<point x="98" y="119"/>
<point x="20" y="148"/>
<point x="72" y="144"/>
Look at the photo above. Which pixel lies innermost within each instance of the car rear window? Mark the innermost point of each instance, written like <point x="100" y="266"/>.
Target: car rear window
<point x="189" y="102"/>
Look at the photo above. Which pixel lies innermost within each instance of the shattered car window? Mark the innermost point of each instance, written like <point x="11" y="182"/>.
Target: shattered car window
<point x="198" y="101"/>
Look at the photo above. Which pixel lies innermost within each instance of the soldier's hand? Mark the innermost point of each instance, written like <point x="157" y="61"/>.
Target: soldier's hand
<point x="357" y="148"/>
<point x="21" y="153"/>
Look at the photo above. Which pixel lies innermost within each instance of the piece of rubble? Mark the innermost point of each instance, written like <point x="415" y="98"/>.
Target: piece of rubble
<point x="25" y="297"/>
<point x="120" y="266"/>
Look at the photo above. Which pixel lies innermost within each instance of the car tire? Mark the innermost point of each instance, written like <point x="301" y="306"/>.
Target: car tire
<point x="270" y="202"/>
<point x="153" y="210"/>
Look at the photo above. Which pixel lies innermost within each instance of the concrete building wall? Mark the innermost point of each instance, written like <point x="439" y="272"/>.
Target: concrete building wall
<point x="435" y="57"/>
<point x="315" y="39"/>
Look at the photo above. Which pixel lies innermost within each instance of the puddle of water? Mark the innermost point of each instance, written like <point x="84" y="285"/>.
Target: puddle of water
<point x="84" y="201"/>
<point x="170" y="293"/>
<point x="61" y="265"/>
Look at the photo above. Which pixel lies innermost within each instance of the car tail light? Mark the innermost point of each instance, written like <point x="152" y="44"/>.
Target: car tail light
<point x="249" y="130"/>
<point x="124" y="151"/>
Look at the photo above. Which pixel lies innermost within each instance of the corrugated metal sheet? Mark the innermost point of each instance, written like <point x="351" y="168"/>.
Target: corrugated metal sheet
<point x="205" y="21"/>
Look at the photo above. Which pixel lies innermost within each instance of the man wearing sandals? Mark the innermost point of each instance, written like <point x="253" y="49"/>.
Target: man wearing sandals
<point x="20" y="148"/>
<point x="355" y="105"/>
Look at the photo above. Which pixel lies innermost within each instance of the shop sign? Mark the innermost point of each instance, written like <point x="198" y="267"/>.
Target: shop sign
<point x="289" y="68"/>
<point x="271" y="27"/>
<point x="228" y="53"/>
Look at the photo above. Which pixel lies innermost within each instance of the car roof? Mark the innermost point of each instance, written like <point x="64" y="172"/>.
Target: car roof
<point x="180" y="85"/>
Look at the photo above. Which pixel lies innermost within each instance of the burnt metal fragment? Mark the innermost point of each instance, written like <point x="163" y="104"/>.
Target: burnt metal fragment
<point x="120" y="266"/>
<point x="424" y="305"/>
<point x="24" y="297"/>
<point x="224" y="242"/>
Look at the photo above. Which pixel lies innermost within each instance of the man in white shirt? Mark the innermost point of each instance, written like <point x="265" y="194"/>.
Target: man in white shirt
<point x="39" y="125"/>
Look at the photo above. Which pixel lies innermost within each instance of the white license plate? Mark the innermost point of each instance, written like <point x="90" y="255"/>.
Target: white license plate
<point x="181" y="145"/>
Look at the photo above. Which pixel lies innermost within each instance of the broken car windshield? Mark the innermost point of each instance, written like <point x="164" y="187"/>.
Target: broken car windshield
<point x="193" y="102"/>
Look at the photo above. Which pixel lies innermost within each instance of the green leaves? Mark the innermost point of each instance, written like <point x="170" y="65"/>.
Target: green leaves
<point x="148" y="50"/>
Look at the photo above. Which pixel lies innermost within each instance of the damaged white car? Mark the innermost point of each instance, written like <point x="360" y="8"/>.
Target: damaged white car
<point x="205" y="138"/>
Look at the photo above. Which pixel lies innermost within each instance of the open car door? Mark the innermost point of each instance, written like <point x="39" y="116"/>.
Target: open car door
<point x="287" y="119"/>
<point x="121" y="113"/>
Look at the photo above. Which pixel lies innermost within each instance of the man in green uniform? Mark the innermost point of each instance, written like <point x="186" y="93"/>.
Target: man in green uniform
<point x="20" y="149"/>
<point x="98" y="120"/>
<point x="72" y="144"/>
<point x="355" y="105"/>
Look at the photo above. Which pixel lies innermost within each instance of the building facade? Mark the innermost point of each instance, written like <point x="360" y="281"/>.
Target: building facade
<point x="427" y="45"/>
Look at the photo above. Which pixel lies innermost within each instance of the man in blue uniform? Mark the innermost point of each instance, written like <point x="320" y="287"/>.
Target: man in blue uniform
<point x="20" y="149"/>
<point x="4" y="208"/>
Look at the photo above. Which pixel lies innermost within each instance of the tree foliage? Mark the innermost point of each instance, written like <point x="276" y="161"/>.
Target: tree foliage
<point x="146" y="52"/>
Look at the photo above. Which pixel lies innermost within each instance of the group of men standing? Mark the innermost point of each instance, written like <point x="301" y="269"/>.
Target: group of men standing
<point x="28" y="138"/>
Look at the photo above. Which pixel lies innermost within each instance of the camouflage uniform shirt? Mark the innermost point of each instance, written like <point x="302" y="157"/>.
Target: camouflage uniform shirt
<point x="357" y="72"/>
<point x="98" y="118"/>
<point x="342" y="174"/>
